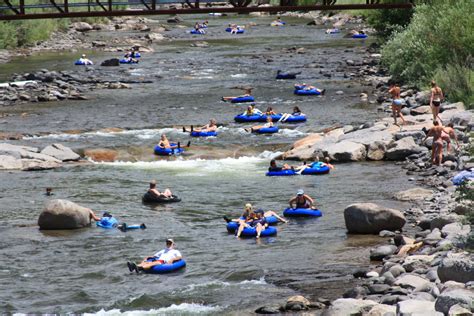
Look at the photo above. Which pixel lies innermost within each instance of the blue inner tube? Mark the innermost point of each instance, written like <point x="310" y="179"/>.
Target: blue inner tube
<point x="160" y="151"/>
<point x="251" y="231"/>
<point x="316" y="170"/>
<point x="107" y="222"/>
<point x="307" y="92"/>
<point x="137" y="55"/>
<point x="152" y="198"/>
<point x="359" y="36"/>
<point x="126" y="61"/>
<point x="239" y="31"/>
<point x="194" y="31"/>
<point x="301" y="212"/>
<point x="167" y="268"/>
<point x="242" y="118"/>
<point x="203" y="134"/>
<point x="267" y="130"/>
<point x="81" y="63"/>
<point x="243" y="99"/>
<point x="283" y="173"/>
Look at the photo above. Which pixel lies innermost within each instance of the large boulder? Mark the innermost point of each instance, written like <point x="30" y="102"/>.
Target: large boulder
<point x="297" y="303"/>
<point x="8" y="162"/>
<point x="101" y="154"/>
<point x="37" y="164"/>
<point x="423" y="97"/>
<point x="349" y="306"/>
<point x="457" y="118"/>
<point x="369" y="218"/>
<point x="414" y="194"/>
<point x="82" y="27"/>
<point x="417" y="307"/>
<point x="419" y="110"/>
<point x="346" y="151"/>
<point x="368" y="136"/>
<point x="457" y="267"/>
<point x="63" y="214"/>
<point x="461" y="297"/>
<point x="382" y="310"/>
<point x="60" y="152"/>
<point x="403" y="148"/>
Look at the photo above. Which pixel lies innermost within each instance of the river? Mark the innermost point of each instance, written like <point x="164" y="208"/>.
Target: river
<point x="84" y="271"/>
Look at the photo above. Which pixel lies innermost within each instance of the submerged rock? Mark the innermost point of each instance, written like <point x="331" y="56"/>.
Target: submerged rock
<point x="413" y="194"/>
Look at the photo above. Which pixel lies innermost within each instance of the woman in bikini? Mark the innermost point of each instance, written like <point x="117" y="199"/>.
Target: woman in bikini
<point x="435" y="100"/>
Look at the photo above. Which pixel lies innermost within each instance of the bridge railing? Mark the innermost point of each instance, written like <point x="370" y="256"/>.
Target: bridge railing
<point x="20" y="9"/>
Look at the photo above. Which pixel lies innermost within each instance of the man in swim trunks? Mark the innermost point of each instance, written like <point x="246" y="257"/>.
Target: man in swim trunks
<point x="169" y="255"/>
<point x="435" y="100"/>
<point x="437" y="148"/>
<point x="301" y="200"/>
<point x="274" y="167"/>
<point x="448" y="133"/>
<point x="210" y="127"/>
<point x="153" y="190"/>
<point x="397" y="103"/>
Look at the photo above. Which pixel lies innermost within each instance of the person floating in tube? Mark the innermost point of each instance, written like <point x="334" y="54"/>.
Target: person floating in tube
<point x="301" y="200"/>
<point x="209" y="127"/>
<point x="168" y="255"/>
<point x="165" y="143"/>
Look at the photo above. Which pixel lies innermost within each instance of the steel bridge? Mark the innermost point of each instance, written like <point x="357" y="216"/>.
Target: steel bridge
<point x="48" y="9"/>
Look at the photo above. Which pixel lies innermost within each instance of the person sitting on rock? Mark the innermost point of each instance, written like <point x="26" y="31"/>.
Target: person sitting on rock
<point x="153" y="190"/>
<point x="301" y="200"/>
<point x="210" y="127"/>
<point x="85" y="61"/>
<point x="169" y="255"/>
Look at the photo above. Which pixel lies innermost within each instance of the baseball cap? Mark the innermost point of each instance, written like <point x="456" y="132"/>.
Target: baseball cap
<point x="300" y="192"/>
<point x="169" y="240"/>
<point x="107" y="214"/>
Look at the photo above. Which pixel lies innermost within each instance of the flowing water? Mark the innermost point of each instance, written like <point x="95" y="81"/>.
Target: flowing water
<point x="84" y="271"/>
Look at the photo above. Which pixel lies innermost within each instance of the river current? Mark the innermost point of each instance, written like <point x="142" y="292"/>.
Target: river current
<point x="84" y="271"/>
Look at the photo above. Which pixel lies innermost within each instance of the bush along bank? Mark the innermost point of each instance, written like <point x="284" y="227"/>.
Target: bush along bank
<point x="426" y="266"/>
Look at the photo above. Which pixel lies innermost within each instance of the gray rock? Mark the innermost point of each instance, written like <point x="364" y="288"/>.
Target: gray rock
<point x="456" y="267"/>
<point x="345" y="151"/>
<point x="416" y="307"/>
<point x="460" y="118"/>
<point x="382" y="310"/>
<point x="367" y="136"/>
<point x="36" y="165"/>
<point x="403" y="148"/>
<point x="423" y="97"/>
<point x="397" y="270"/>
<point x="63" y="214"/>
<point x="271" y="309"/>
<point x="433" y="237"/>
<point x="356" y="292"/>
<point x="8" y="162"/>
<point x="455" y="231"/>
<point x="389" y="278"/>
<point x="376" y="151"/>
<point x="420" y="110"/>
<point x="369" y="218"/>
<point x="378" y="288"/>
<point x="381" y="252"/>
<point x="457" y="310"/>
<point x="411" y="281"/>
<point x="349" y="306"/>
<point x="413" y="194"/>
<point x="440" y="221"/>
<point x="297" y="303"/>
<point x="422" y="296"/>
<point x="417" y="135"/>
<point x="459" y="106"/>
<point x="432" y="275"/>
<point x="82" y="27"/>
<point x="60" y="152"/>
<point x="461" y="297"/>
<point x="386" y="233"/>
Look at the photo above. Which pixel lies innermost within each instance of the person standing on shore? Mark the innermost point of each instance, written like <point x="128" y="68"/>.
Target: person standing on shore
<point x="396" y="103"/>
<point x="437" y="148"/>
<point x="435" y="100"/>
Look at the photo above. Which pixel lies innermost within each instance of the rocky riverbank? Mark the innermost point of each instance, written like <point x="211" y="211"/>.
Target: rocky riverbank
<point x="427" y="267"/>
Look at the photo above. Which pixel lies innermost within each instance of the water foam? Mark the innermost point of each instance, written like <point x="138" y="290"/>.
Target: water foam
<point x="200" y="166"/>
<point x="180" y="309"/>
<point x="139" y="133"/>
